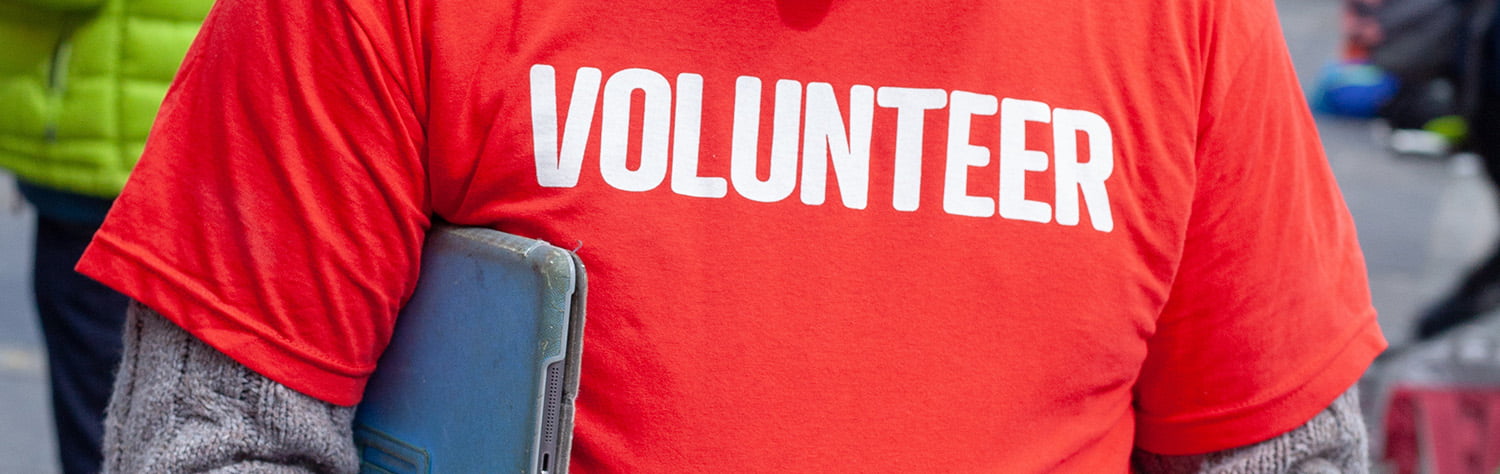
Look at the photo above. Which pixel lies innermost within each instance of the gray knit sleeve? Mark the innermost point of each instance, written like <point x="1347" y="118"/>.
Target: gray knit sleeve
<point x="181" y="406"/>
<point x="1333" y="442"/>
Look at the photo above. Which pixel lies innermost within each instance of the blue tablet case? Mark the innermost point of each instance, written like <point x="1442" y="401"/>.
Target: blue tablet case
<point x="482" y="370"/>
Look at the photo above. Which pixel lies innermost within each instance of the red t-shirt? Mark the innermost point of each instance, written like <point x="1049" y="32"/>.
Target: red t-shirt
<point x="825" y="236"/>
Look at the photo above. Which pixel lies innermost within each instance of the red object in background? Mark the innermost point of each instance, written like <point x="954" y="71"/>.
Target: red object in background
<point x="1443" y="430"/>
<point x="1361" y="30"/>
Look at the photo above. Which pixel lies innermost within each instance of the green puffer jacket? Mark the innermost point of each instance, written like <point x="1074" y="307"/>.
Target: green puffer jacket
<point x="80" y="82"/>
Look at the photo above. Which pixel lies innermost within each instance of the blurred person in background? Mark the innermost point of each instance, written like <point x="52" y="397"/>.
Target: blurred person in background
<point x="1477" y="66"/>
<point x="80" y="83"/>
<point x="1386" y="70"/>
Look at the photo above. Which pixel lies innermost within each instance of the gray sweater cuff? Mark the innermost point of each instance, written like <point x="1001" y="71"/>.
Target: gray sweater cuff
<point x="181" y="406"/>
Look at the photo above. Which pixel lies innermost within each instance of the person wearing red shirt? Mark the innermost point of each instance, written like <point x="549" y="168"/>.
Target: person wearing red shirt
<point x="824" y="236"/>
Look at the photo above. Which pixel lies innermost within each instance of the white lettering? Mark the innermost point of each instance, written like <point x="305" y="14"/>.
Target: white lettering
<point x="614" y="130"/>
<point x="1074" y="177"/>
<point x="554" y="169"/>
<point x="1016" y="160"/>
<point x="911" y="112"/>
<point x="685" y="136"/>
<point x="745" y="152"/>
<point x="815" y="142"/>
<point x="825" y="139"/>
<point x="963" y="155"/>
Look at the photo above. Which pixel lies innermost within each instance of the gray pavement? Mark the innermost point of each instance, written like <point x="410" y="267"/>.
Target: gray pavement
<point x="1421" y="221"/>
<point x="26" y="438"/>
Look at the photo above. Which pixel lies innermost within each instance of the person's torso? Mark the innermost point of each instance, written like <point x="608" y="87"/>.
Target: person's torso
<point x="1008" y="222"/>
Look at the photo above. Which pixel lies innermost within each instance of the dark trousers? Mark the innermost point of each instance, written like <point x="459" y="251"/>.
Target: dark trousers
<point x="1485" y="141"/>
<point x="1484" y="138"/>
<point x="81" y="323"/>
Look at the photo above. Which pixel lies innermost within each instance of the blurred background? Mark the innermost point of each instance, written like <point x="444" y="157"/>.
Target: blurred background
<point x="26" y="439"/>
<point x="1422" y="220"/>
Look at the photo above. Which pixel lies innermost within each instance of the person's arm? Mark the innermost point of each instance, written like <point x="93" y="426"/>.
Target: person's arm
<point x="1332" y="442"/>
<point x="1269" y="321"/>
<point x="274" y="225"/>
<point x="179" y="405"/>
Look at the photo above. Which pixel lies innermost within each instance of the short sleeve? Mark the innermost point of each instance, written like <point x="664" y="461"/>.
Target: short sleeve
<point x="279" y="209"/>
<point x="1269" y="319"/>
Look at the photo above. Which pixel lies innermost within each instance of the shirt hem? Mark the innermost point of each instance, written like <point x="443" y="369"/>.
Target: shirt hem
<point x="209" y="320"/>
<point x="1259" y="422"/>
